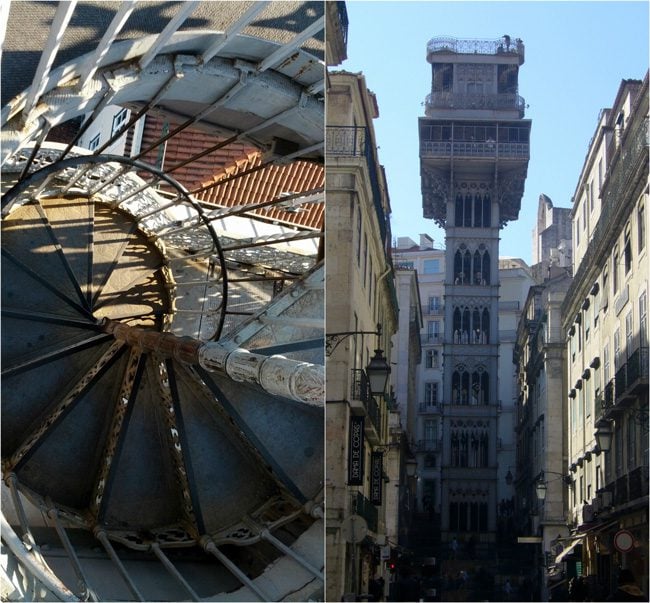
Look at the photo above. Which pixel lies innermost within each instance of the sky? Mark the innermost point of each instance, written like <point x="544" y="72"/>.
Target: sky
<point x="577" y="53"/>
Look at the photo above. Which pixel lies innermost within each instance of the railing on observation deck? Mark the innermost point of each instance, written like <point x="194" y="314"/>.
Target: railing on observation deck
<point x="451" y="100"/>
<point x="509" y="150"/>
<point x="503" y="45"/>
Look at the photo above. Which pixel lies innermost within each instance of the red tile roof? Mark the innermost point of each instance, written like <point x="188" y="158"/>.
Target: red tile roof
<point x="263" y="184"/>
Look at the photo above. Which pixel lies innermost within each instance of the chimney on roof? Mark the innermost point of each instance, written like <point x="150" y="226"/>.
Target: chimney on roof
<point x="405" y="242"/>
<point x="426" y="242"/>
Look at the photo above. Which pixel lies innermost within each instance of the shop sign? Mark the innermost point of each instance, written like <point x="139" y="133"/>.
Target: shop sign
<point x="623" y="541"/>
<point x="355" y="452"/>
<point x="376" y="470"/>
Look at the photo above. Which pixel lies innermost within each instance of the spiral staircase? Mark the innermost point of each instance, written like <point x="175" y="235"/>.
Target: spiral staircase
<point x="162" y="356"/>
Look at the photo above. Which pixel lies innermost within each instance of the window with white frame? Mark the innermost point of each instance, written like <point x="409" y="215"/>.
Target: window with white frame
<point x="433" y="330"/>
<point x="627" y="249"/>
<point x="643" y="320"/>
<point x="119" y="119"/>
<point x="94" y="142"/>
<point x="618" y="358"/>
<point x="640" y="216"/>
<point x="432" y="359"/>
<point x="615" y="271"/>
<point x="629" y="335"/>
<point x="434" y="303"/>
<point x="431" y="393"/>
<point x="431" y="266"/>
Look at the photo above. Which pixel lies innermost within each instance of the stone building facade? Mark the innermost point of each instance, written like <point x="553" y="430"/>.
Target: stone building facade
<point x="540" y="361"/>
<point x="360" y="296"/>
<point x="606" y="329"/>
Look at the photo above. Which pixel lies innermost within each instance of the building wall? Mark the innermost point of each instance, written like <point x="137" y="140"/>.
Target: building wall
<point x="360" y="294"/>
<point x="605" y="325"/>
<point x="425" y="418"/>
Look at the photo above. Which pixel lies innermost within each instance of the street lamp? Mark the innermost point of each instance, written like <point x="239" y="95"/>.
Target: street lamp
<point x="540" y="484"/>
<point x="411" y="467"/>
<point x="378" y="372"/>
<point x="603" y="435"/>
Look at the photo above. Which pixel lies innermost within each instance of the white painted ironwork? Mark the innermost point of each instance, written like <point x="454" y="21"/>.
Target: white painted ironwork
<point x="194" y="77"/>
<point x="61" y="19"/>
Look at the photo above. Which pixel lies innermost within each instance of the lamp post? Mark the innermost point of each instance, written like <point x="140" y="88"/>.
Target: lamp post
<point x="374" y="383"/>
<point x="378" y="372"/>
<point x="603" y="435"/>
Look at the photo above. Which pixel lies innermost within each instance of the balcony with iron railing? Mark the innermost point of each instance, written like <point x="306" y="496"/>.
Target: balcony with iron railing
<point x="630" y="378"/>
<point x="426" y="408"/>
<point x="489" y="150"/>
<point x="360" y="391"/>
<point x="432" y="339"/>
<point x="435" y="309"/>
<point x="492" y="102"/>
<point x="631" y="486"/>
<point x="355" y="141"/>
<point x="363" y="507"/>
<point x="430" y="445"/>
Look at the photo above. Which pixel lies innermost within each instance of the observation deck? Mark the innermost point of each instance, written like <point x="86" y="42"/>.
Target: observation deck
<point x="504" y="47"/>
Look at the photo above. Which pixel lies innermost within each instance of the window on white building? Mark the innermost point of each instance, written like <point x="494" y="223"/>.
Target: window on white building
<point x="94" y="143"/>
<point x="434" y="304"/>
<point x="432" y="359"/>
<point x="433" y="330"/>
<point x="629" y="335"/>
<point x="431" y="266"/>
<point x="641" y="225"/>
<point x="627" y="249"/>
<point x="431" y="393"/>
<point x="643" y="320"/>
<point x="615" y="271"/>
<point x="119" y="119"/>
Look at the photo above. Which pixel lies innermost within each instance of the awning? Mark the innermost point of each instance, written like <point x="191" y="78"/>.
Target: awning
<point x="568" y="550"/>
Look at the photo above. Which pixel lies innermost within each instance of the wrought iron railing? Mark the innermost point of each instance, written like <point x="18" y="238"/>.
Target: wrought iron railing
<point x="355" y="141"/>
<point x="360" y="387"/>
<point x="620" y="380"/>
<point x="374" y="414"/>
<point x="637" y="366"/>
<point x="608" y="398"/>
<point x="508" y="150"/>
<point x="638" y="482"/>
<point x="427" y="407"/>
<point x="505" y="44"/>
<point x="428" y="445"/>
<point x="452" y="100"/>
<point x="435" y="309"/>
<point x="364" y="508"/>
<point x="343" y="20"/>
<point x="360" y="390"/>
<point x="432" y="338"/>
